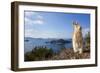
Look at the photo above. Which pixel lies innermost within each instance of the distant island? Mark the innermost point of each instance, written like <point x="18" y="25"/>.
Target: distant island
<point x="52" y="40"/>
<point x="60" y="41"/>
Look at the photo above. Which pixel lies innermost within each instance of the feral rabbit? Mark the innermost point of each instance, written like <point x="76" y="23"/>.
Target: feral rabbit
<point x="77" y="38"/>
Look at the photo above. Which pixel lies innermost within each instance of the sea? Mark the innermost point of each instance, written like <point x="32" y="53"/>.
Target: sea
<point x="51" y="43"/>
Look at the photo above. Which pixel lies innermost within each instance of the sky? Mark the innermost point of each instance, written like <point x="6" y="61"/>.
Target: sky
<point x="53" y="24"/>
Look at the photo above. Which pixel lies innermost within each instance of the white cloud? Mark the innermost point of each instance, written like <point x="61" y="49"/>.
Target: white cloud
<point x="50" y="34"/>
<point x="30" y="32"/>
<point x="30" y="13"/>
<point x="28" y="21"/>
<point x="40" y="17"/>
<point x="37" y="20"/>
<point x="85" y="31"/>
<point x="42" y="34"/>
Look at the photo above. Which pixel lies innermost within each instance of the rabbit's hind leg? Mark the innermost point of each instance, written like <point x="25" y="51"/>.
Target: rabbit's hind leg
<point x="80" y="51"/>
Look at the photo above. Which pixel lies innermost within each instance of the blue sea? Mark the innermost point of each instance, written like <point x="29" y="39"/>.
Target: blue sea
<point x="30" y="43"/>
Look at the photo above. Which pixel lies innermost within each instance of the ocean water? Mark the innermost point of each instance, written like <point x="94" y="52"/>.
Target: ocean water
<point x="30" y="43"/>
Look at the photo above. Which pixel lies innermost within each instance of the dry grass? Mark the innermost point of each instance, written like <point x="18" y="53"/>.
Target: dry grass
<point x="69" y="54"/>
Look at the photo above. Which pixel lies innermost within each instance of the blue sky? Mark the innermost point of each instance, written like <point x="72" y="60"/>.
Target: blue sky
<point x="53" y="24"/>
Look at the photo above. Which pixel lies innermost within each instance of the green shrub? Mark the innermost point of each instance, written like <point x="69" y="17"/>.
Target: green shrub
<point x="39" y="53"/>
<point x="87" y="39"/>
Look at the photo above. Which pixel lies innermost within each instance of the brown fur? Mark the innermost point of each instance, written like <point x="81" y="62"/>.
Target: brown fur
<point x="77" y="38"/>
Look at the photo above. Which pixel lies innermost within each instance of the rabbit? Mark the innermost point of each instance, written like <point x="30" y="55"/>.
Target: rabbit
<point x="77" y="39"/>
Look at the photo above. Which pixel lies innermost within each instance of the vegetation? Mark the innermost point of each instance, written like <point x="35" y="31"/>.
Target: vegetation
<point x="39" y="53"/>
<point x="87" y="39"/>
<point x="61" y="41"/>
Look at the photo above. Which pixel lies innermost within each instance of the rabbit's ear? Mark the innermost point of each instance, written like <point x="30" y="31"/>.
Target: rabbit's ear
<point x="74" y="23"/>
<point x="80" y="28"/>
